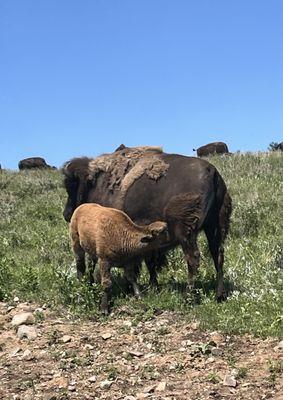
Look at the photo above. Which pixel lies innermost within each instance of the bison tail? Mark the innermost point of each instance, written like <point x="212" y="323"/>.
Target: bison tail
<point x="225" y="216"/>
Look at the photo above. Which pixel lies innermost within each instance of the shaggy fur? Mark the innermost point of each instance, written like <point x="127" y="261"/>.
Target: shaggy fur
<point x="109" y="235"/>
<point x="128" y="164"/>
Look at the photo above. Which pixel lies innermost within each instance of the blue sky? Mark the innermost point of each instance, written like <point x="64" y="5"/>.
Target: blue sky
<point x="81" y="77"/>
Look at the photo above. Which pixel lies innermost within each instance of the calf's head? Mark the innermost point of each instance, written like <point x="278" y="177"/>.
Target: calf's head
<point x="155" y="235"/>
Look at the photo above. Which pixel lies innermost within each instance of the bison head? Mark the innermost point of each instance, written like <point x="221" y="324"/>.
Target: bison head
<point x="77" y="184"/>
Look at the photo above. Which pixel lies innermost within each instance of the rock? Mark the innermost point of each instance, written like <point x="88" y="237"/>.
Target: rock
<point x="105" y="384"/>
<point x="217" y="338"/>
<point x="129" y="398"/>
<point x="16" y="299"/>
<point x="215" y="351"/>
<point x="279" y="347"/>
<point x="92" y="378"/>
<point x="161" y="386"/>
<point x="24" y="318"/>
<point x="28" y="332"/>
<point x="229" y="380"/>
<point x="27" y="355"/>
<point x="195" y="325"/>
<point x="136" y="353"/>
<point x="15" y="352"/>
<point x="143" y="395"/>
<point x="66" y="338"/>
<point x="71" y="388"/>
<point x="89" y="347"/>
<point x="149" y="389"/>
<point x="106" y="335"/>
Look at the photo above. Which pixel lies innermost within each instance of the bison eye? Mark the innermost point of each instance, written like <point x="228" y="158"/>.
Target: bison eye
<point x="146" y="239"/>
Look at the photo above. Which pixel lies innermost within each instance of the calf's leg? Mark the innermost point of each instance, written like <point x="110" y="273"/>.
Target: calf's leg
<point x="80" y="259"/>
<point x="104" y="267"/>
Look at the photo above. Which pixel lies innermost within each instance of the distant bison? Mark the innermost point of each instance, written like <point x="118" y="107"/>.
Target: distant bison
<point x="212" y="148"/>
<point x="33" y="163"/>
<point x="276" y="146"/>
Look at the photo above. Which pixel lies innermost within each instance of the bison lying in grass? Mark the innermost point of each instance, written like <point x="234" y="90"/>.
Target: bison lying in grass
<point x="110" y="237"/>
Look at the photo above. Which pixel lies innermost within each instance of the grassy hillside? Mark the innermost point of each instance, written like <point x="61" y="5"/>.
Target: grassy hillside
<point x="36" y="261"/>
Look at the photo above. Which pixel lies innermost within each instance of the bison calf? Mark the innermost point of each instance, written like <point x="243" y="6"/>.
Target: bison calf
<point x="110" y="237"/>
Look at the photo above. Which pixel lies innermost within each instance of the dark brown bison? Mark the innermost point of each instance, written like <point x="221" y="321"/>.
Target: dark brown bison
<point x="212" y="148"/>
<point x="276" y="146"/>
<point x="34" y="163"/>
<point x="186" y="192"/>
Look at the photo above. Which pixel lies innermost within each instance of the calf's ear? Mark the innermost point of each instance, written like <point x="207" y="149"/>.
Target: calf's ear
<point x="157" y="229"/>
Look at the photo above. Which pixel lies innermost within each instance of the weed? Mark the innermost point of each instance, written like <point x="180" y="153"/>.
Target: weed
<point x="163" y="330"/>
<point x="242" y="372"/>
<point x="213" y="377"/>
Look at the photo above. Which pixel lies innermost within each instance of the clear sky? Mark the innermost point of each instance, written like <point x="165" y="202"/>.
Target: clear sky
<point x="81" y="77"/>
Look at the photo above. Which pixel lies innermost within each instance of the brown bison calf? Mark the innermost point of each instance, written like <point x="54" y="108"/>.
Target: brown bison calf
<point x="110" y="237"/>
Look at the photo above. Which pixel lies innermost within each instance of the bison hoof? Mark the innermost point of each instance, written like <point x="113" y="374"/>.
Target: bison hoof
<point x="193" y="296"/>
<point x="104" y="305"/>
<point x="221" y="297"/>
<point x="104" y="310"/>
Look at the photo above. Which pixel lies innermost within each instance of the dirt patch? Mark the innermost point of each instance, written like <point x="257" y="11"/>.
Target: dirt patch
<point x="161" y="358"/>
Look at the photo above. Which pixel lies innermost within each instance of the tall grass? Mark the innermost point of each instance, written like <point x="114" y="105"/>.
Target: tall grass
<point x="36" y="261"/>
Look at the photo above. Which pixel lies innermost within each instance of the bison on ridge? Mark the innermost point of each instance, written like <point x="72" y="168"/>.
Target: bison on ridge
<point x="212" y="148"/>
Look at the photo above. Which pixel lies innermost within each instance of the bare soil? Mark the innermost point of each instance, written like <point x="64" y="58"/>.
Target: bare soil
<point x="165" y="357"/>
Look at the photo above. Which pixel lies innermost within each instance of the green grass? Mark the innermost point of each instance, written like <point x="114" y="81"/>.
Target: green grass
<point x="36" y="261"/>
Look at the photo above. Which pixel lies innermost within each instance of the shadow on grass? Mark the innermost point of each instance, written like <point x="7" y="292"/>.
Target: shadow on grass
<point x="121" y="287"/>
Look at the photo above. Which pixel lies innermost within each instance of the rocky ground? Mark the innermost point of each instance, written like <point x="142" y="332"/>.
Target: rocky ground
<point x="46" y="355"/>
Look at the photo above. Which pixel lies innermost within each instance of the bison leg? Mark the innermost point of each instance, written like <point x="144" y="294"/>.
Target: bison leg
<point x="106" y="283"/>
<point x="192" y="255"/>
<point x="217" y="253"/>
<point x="151" y="266"/>
<point x="154" y="262"/>
<point x="80" y="259"/>
<point x="131" y="274"/>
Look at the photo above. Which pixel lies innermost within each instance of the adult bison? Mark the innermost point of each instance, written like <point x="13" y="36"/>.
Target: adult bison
<point x="212" y="148"/>
<point x="149" y="185"/>
<point x="276" y="146"/>
<point x="34" y="163"/>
